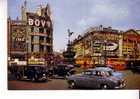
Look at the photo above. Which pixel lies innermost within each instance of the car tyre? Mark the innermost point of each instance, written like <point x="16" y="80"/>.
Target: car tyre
<point x="33" y="79"/>
<point x="18" y="77"/>
<point x="104" y="86"/>
<point x="72" y="85"/>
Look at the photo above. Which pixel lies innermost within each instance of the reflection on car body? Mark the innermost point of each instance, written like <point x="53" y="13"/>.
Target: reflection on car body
<point x="99" y="77"/>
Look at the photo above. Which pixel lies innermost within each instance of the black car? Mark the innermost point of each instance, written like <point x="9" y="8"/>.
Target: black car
<point x="33" y="73"/>
<point x="133" y="65"/>
<point x="63" y="70"/>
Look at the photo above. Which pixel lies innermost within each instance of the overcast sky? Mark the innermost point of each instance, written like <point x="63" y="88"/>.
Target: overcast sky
<point x="78" y="15"/>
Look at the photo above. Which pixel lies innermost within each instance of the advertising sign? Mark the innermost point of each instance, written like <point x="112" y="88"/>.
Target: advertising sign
<point x="36" y="61"/>
<point x="38" y="21"/>
<point x="111" y="46"/>
<point x="18" y="38"/>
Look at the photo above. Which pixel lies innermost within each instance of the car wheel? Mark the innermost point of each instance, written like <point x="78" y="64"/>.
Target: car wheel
<point x="18" y="77"/>
<point x="72" y="84"/>
<point x="104" y="86"/>
<point x="33" y="79"/>
<point x="66" y="76"/>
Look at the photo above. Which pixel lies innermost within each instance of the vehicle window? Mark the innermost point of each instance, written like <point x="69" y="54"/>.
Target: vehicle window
<point x="36" y="68"/>
<point x="87" y="73"/>
<point x="110" y="72"/>
<point x="25" y="68"/>
<point x="98" y="73"/>
<point x="105" y="74"/>
<point x="94" y="73"/>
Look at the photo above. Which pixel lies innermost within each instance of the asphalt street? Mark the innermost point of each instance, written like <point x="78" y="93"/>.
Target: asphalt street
<point x="132" y="81"/>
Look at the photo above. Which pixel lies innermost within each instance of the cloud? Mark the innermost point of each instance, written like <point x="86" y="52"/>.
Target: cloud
<point x="79" y="15"/>
<point x="106" y="13"/>
<point x="109" y="11"/>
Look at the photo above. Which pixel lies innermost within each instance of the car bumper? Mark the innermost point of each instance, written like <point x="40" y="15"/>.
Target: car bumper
<point x="120" y="86"/>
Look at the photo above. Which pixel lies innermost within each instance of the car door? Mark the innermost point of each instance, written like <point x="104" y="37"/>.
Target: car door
<point x="83" y="80"/>
<point x="92" y="80"/>
<point x="80" y="81"/>
<point x="96" y="79"/>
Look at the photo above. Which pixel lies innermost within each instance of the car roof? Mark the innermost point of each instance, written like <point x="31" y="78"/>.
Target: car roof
<point x="31" y="66"/>
<point x="100" y="69"/>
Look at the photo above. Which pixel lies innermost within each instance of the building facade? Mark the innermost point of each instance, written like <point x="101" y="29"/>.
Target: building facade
<point x="16" y="39"/>
<point x="100" y="43"/>
<point x="131" y="44"/>
<point x="37" y="30"/>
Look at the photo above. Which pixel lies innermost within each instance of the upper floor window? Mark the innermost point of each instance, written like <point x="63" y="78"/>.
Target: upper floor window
<point x="32" y="29"/>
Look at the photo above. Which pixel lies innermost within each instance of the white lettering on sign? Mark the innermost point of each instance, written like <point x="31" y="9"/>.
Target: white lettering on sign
<point x="30" y="21"/>
<point x="43" y="23"/>
<point x="38" y="22"/>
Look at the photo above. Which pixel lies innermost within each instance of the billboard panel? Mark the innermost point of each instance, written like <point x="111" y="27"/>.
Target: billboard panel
<point x="18" y="36"/>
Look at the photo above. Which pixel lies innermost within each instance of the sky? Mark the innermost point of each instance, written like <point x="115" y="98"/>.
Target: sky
<point x="79" y="15"/>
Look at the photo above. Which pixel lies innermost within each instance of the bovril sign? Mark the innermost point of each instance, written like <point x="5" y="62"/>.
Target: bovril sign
<point x="37" y="21"/>
<point x="111" y="46"/>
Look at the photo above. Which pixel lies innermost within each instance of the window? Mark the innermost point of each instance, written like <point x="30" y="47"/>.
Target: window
<point x="48" y="49"/>
<point x="41" y="30"/>
<point x="32" y="29"/>
<point x="94" y="73"/>
<point x="32" y="38"/>
<point x="105" y="74"/>
<point x="88" y="73"/>
<point x="41" y="39"/>
<point x="48" y="40"/>
<point x="98" y="73"/>
<point x="41" y="48"/>
<point x="32" y="47"/>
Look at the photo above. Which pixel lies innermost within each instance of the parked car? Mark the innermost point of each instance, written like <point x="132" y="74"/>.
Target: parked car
<point x="133" y="65"/>
<point x="98" y="77"/>
<point x="63" y="70"/>
<point x="33" y="73"/>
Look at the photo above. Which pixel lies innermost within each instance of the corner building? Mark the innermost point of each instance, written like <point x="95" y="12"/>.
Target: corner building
<point x="100" y="44"/>
<point x="38" y="36"/>
<point x="97" y="44"/>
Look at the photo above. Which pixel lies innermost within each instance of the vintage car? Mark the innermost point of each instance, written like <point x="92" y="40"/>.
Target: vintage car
<point x="33" y="72"/>
<point x="98" y="77"/>
<point x="63" y="70"/>
<point x="133" y="65"/>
